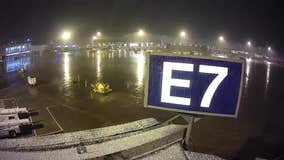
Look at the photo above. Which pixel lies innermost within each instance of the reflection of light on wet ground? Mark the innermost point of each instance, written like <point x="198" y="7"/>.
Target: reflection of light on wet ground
<point x="88" y="54"/>
<point x="119" y="53"/>
<point x="268" y="64"/>
<point x="99" y="58"/>
<point x="248" y="65"/>
<point x="112" y="54"/>
<point x="124" y="54"/>
<point x="66" y="68"/>
<point x="140" y="68"/>
<point x="131" y="53"/>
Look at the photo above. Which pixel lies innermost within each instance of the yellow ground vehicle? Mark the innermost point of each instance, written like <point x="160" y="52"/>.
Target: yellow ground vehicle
<point x="100" y="87"/>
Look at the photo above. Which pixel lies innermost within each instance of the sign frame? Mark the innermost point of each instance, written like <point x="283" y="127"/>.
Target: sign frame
<point x="146" y="89"/>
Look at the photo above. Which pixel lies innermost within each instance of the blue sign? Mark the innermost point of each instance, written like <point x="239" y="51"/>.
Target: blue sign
<point x="194" y="85"/>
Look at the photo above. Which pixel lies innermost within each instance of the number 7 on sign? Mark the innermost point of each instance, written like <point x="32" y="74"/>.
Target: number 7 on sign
<point x="221" y="72"/>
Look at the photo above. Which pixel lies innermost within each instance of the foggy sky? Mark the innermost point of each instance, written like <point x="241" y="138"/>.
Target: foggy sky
<point x="238" y="20"/>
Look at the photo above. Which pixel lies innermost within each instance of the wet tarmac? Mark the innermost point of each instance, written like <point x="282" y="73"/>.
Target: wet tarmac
<point x="257" y="132"/>
<point x="64" y="90"/>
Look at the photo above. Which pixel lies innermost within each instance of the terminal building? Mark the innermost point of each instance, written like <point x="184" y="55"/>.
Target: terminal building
<point x="16" y="49"/>
<point x="15" y="56"/>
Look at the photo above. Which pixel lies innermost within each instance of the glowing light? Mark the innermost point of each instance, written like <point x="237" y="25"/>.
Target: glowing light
<point x="221" y="72"/>
<point x="17" y="49"/>
<point x="141" y="33"/>
<point x="95" y="37"/>
<point x="221" y="39"/>
<point x="182" y="34"/>
<point x="249" y="44"/>
<point x="269" y="49"/>
<point x="168" y="81"/>
<point x="99" y="34"/>
<point x="248" y="60"/>
<point x="222" y="56"/>
<point x="133" y="44"/>
<point x="16" y="53"/>
<point x="66" y="35"/>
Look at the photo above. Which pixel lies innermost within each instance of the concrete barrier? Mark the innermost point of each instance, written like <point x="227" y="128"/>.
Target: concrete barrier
<point x="73" y="139"/>
<point x="127" y="147"/>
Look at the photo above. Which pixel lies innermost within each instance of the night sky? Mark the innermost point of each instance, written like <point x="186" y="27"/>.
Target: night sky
<point x="239" y="20"/>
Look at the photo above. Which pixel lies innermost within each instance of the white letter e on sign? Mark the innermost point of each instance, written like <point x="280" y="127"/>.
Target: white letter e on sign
<point x="168" y="81"/>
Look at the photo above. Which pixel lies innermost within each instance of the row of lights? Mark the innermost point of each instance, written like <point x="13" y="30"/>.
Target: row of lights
<point x="66" y="35"/>
<point x="97" y="36"/>
<point x="249" y="43"/>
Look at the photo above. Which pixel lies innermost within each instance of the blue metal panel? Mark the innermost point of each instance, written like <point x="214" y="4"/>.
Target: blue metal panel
<point x="225" y="98"/>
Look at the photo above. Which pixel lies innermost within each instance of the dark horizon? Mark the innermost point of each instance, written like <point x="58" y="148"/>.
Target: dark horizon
<point x="238" y="21"/>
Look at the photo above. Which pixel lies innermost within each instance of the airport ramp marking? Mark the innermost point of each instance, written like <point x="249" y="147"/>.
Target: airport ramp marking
<point x="56" y="122"/>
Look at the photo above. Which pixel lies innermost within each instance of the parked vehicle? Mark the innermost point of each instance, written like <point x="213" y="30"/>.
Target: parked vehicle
<point x="4" y="111"/>
<point x="10" y="125"/>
